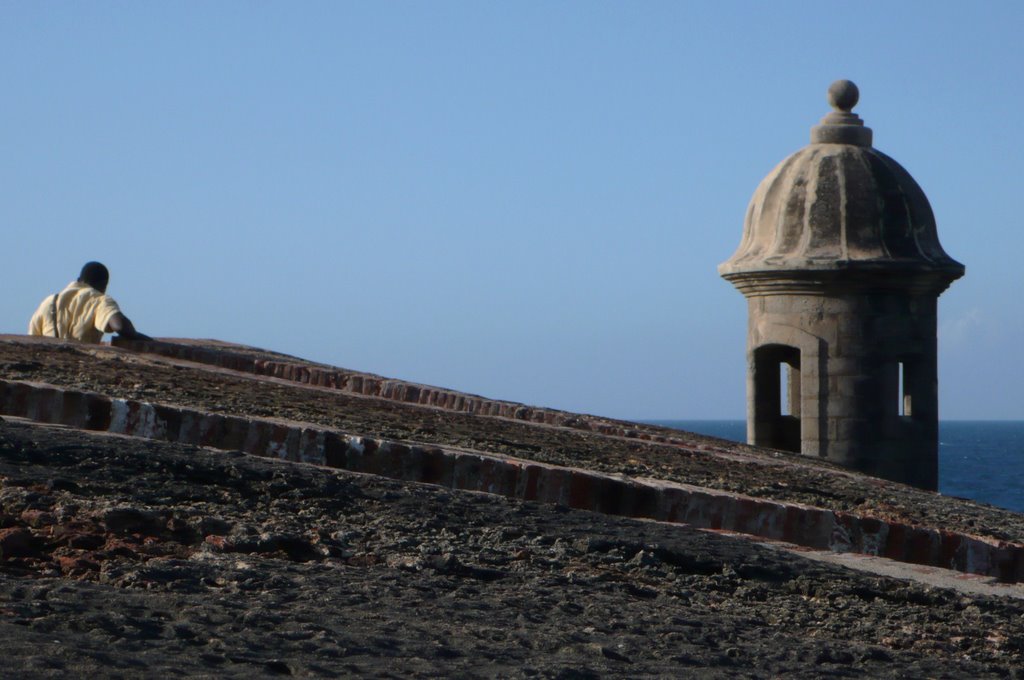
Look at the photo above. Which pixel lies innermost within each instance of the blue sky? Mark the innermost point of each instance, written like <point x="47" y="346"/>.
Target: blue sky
<point x="526" y="200"/>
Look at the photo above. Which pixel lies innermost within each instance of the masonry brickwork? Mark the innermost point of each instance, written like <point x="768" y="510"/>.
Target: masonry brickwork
<point x="461" y="469"/>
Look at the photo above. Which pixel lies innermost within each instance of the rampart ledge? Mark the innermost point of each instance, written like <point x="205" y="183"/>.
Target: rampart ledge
<point x="136" y="535"/>
<point x="514" y="476"/>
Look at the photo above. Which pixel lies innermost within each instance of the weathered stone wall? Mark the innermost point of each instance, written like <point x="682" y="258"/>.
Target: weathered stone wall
<point x="576" y="488"/>
<point x="840" y="259"/>
<point x="354" y="382"/>
<point x="851" y="348"/>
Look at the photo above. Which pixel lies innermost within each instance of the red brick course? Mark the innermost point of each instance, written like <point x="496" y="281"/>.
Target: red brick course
<point x="617" y="495"/>
<point x="393" y="390"/>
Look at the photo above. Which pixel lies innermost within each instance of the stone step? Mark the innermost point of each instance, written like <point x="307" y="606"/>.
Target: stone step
<point x="296" y="370"/>
<point x="466" y="470"/>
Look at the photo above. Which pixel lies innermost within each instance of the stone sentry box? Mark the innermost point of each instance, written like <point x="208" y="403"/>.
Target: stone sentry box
<point x="842" y="268"/>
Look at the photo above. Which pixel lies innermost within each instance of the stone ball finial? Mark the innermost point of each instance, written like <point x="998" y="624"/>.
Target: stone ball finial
<point x="843" y="95"/>
<point x="841" y="126"/>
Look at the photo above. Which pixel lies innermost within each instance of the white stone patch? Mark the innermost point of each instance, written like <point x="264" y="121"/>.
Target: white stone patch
<point x="118" y="415"/>
<point x="321" y="447"/>
<point x="252" y="437"/>
<point x="278" y="449"/>
<point x="839" y="540"/>
<point x="978" y="556"/>
<point x="769" y="520"/>
<point x="873" y="543"/>
<point x="311" y="446"/>
<point x="149" y="424"/>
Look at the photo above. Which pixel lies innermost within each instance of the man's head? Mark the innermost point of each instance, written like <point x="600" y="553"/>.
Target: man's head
<point x="96" y="275"/>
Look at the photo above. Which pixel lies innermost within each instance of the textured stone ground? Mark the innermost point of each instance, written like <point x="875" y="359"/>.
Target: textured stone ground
<point x="125" y="558"/>
<point x="709" y="463"/>
<point x="122" y="557"/>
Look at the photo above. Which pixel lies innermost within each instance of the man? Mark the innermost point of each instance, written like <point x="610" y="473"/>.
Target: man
<point x="83" y="311"/>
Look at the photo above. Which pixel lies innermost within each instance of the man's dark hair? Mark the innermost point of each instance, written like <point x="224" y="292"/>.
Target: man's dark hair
<point x="96" y="275"/>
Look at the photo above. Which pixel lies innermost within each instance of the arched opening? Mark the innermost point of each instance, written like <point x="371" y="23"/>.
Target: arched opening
<point x="777" y="397"/>
<point x="907" y="385"/>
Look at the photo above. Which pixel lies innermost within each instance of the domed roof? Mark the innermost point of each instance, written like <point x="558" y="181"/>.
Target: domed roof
<point x="839" y="208"/>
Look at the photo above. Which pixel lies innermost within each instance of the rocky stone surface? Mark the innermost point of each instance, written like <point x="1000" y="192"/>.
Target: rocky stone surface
<point x="124" y="558"/>
<point x="705" y="462"/>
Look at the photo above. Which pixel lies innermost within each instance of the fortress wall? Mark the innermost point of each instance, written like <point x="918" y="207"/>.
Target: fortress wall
<point x="471" y="471"/>
<point x="366" y="384"/>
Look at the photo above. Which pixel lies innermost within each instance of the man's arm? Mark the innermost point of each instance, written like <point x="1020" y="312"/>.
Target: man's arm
<point x="122" y="325"/>
<point x="35" y="325"/>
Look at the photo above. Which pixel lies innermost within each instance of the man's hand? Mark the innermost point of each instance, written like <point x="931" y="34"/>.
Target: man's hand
<point x="122" y="325"/>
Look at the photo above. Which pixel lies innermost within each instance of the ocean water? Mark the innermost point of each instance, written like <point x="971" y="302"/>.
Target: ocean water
<point x="980" y="460"/>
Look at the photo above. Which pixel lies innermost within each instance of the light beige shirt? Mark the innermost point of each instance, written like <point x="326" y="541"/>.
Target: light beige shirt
<point x="82" y="313"/>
